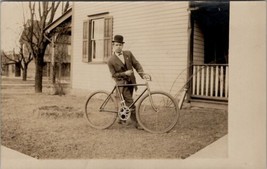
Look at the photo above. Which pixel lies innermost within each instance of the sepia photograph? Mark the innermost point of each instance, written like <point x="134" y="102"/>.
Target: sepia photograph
<point x="124" y="84"/>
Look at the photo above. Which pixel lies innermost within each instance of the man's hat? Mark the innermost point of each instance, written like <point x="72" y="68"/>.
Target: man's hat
<point x="118" y="38"/>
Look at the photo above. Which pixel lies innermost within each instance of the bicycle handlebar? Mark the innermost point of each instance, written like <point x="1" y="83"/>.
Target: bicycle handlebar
<point x="147" y="78"/>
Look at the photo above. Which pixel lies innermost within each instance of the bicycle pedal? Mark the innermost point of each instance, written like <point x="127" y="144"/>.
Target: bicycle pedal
<point x="121" y="122"/>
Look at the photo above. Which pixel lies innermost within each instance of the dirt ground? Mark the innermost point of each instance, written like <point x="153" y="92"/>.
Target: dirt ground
<point x="49" y="126"/>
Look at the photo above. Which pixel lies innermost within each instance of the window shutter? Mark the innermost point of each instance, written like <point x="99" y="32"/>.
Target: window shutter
<point x="108" y="30"/>
<point x="89" y="41"/>
<point x="86" y="41"/>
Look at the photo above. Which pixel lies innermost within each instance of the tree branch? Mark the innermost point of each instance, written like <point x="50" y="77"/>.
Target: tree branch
<point x="30" y="58"/>
<point x="66" y="7"/>
<point x="10" y="59"/>
<point x="30" y="39"/>
<point x="53" y="11"/>
<point x="40" y="10"/>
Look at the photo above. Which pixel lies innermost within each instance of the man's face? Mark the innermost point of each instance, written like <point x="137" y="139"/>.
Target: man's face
<point x="117" y="47"/>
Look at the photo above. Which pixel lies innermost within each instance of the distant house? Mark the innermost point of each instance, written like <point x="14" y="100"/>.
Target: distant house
<point x="9" y="67"/>
<point x="176" y="42"/>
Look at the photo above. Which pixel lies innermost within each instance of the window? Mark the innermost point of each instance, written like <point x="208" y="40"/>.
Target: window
<point x="69" y="49"/>
<point x="25" y="50"/>
<point x="97" y="38"/>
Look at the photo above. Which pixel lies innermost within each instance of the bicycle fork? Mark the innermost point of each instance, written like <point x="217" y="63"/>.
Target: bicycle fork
<point x="151" y="99"/>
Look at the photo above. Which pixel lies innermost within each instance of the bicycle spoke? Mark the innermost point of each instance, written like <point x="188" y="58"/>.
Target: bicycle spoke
<point x="163" y="118"/>
<point x="101" y="110"/>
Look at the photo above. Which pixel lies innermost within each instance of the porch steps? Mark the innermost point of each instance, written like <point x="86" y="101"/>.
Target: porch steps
<point x="209" y="104"/>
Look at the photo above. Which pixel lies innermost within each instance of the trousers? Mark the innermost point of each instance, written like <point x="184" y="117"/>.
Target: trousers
<point x="127" y="93"/>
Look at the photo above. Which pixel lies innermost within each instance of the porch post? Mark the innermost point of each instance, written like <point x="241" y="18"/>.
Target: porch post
<point x="189" y="55"/>
<point x="52" y="69"/>
<point x="52" y="66"/>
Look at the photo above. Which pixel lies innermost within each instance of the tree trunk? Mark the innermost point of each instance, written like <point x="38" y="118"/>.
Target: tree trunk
<point x="17" y="69"/>
<point x="24" y="73"/>
<point x="39" y="74"/>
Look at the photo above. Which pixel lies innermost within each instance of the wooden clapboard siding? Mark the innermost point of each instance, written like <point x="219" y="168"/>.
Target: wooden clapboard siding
<point x="198" y="45"/>
<point x="84" y="75"/>
<point x="155" y="32"/>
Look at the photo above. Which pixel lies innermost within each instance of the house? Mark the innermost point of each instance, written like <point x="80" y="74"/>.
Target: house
<point x="178" y="43"/>
<point x="10" y="64"/>
<point x="60" y="50"/>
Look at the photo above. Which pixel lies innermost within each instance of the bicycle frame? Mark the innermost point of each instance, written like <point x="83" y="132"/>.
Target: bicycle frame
<point x="127" y="85"/>
<point x="116" y="88"/>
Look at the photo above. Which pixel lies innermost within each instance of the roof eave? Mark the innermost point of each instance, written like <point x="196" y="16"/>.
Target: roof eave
<point x="58" y="21"/>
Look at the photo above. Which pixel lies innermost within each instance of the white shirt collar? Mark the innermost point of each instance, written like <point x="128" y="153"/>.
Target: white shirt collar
<point x="119" y="54"/>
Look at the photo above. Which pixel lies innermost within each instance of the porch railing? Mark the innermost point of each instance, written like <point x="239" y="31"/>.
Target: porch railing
<point x="210" y="81"/>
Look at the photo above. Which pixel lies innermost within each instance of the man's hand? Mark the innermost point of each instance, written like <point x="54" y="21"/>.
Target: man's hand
<point x="147" y="77"/>
<point x="128" y="72"/>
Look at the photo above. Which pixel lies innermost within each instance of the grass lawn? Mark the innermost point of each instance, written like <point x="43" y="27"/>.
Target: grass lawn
<point x="62" y="132"/>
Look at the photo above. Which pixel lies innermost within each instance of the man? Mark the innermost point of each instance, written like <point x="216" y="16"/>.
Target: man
<point x="121" y="65"/>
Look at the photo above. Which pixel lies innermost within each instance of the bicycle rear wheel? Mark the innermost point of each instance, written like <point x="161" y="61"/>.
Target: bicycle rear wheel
<point x="160" y="116"/>
<point x="101" y="110"/>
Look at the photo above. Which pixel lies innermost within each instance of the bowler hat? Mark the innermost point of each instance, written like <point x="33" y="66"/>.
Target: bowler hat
<point x="118" y="38"/>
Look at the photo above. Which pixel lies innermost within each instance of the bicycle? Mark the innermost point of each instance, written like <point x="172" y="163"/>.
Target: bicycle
<point x="156" y="112"/>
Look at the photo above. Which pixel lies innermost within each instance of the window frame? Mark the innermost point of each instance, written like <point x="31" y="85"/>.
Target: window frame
<point x="87" y="38"/>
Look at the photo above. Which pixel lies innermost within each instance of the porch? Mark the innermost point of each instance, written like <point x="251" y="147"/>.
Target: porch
<point x="210" y="81"/>
<point x="210" y="86"/>
<point x="209" y="45"/>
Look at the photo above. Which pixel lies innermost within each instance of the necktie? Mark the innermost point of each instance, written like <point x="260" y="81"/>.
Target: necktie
<point x="120" y="56"/>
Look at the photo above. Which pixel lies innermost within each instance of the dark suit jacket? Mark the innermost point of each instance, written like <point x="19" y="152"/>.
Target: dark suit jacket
<point x="117" y="68"/>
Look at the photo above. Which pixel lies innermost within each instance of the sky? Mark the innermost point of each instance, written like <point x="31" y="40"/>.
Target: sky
<point x="12" y="23"/>
<point x="12" y="19"/>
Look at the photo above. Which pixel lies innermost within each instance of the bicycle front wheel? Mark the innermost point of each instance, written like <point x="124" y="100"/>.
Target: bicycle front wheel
<point x="101" y="110"/>
<point x="158" y="113"/>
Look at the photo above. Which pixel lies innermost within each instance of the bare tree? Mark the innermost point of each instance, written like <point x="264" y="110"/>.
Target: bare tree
<point x="26" y="58"/>
<point x="12" y="59"/>
<point x="20" y="60"/>
<point x="41" y="15"/>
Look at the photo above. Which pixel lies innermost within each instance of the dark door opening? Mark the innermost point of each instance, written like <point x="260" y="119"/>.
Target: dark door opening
<point x="213" y="20"/>
<point x="209" y="50"/>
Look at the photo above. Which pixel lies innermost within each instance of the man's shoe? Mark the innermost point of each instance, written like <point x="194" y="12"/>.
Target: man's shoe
<point x="133" y="123"/>
<point x="138" y="127"/>
<point x="129" y="122"/>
